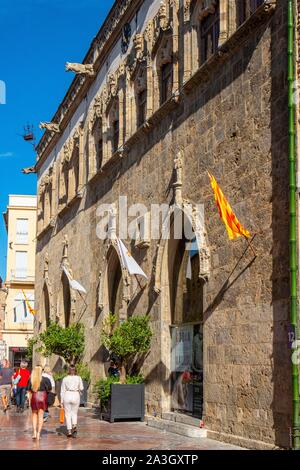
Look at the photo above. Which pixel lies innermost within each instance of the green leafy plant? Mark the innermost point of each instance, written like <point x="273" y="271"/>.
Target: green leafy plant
<point x="129" y="340"/>
<point x="102" y="389"/>
<point x="135" y="379"/>
<point x="103" y="386"/>
<point x="84" y="371"/>
<point x="65" y="342"/>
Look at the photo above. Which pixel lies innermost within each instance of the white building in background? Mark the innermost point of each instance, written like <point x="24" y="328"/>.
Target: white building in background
<point x="20" y="221"/>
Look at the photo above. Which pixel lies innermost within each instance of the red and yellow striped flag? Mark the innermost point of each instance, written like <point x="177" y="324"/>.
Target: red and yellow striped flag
<point x="233" y="226"/>
<point x="31" y="310"/>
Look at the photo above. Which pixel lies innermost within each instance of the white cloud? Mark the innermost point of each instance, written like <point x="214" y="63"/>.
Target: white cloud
<point x="6" y="154"/>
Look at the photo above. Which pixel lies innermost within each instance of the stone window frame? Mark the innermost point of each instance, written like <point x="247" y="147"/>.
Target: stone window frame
<point x="63" y="193"/>
<point x="248" y="8"/>
<point x="71" y="155"/>
<point x="199" y="10"/>
<point x="46" y="200"/>
<point x="138" y="64"/>
<point x="97" y="114"/>
<point x="209" y="31"/>
<point x="74" y="167"/>
<point x="162" y="35"/>
<point x="143" y="231"/>
<point x="116" y="109"/>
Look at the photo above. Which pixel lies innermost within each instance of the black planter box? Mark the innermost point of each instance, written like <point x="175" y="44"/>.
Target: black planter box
<point x="127" y="402"/>
<point x="83" y="395"/>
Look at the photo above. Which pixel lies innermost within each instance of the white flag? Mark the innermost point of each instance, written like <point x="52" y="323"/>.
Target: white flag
<point x="128" y="261"/>
<point x="189" y="269"/>
<point x="74" y="284"/>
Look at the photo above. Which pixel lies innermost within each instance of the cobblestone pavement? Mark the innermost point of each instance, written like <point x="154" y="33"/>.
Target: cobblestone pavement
<point x="93" y="434"/>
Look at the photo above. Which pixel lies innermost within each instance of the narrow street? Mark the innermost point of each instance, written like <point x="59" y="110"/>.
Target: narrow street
<point x="93" y="434"/>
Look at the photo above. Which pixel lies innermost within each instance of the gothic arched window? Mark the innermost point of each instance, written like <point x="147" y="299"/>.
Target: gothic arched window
<point x="245" y="8"/>
<point x="98" y="143"/>
<point x="209" y="34"/>
<point x="166" y="82"/>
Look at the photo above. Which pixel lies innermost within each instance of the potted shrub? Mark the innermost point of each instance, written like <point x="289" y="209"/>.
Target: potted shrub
<point x="68" y="343"/>
<point x="124" y="397"/>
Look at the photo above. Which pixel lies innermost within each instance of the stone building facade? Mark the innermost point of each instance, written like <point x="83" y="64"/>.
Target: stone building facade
<point x="167" y="91"/>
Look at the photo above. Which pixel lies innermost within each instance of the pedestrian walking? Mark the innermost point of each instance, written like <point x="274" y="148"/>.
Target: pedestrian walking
<point x="51" y="395"/>
<point x="38" y="387"/>
<point x="6" y="373"/>
<point x="21" y="379"/>
<point x="71" y="389"/>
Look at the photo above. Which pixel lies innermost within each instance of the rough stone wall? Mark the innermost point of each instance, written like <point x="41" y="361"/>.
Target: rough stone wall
<point x="235" y="125"/>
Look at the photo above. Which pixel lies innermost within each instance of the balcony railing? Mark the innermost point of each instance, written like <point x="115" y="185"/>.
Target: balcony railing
<point x="22" y="275"/>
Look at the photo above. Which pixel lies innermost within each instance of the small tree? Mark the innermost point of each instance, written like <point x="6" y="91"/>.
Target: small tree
<point x="65" y="342"/>
<point x="129" y="341"/>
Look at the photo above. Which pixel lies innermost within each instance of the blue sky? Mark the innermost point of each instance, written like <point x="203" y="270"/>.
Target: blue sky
<point x="37" y="37"/>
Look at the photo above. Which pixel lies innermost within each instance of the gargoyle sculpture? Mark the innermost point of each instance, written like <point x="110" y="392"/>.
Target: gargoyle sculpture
<point x="30" y="169"/>
<point x="83" y="69"/>
<point x="50" y="126"/>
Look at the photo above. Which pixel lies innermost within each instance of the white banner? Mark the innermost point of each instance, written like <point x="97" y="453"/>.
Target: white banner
<point x="128" y="261"/>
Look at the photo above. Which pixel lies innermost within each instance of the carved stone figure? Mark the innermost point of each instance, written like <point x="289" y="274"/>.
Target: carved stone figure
<point x="112" y="85"/>
<point x="138" y="43"/>
<point x="50" y="126"/>
<point x="83" y="69"/>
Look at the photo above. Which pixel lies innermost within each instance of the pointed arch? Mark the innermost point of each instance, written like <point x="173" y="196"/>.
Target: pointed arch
<point x="64" y="301"/>
<point x="190" y="212"/>
<point x="114" y="284"/>
<point x="181" y="278"/>
<point x="46" y="316"/>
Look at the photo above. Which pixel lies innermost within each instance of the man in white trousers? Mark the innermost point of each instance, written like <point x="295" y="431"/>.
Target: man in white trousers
<point x="71" y="389"/>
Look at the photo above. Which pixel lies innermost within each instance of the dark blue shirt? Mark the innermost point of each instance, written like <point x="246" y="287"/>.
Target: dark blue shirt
<point x="5" y="375"/>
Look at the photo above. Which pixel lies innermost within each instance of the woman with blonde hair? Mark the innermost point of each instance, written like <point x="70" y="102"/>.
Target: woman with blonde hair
<point x="39" y="387"/>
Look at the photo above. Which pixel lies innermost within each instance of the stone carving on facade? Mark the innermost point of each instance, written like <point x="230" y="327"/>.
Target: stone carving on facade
<point x="138" y="43"/>
<point x="164" y="52"/>
<point x="76" y="138"/>
<point x="65" y="250"/>
<point x="187" y="10"/>
<point x="67" y="152"/>
<point x="82" y="69"/>
<point x="100" y="292"/>
<point x="97" y="109"/>
<point x="177" y="185"/>
<point x="112" y="85"/>
<point x="201" y="8"/>
<point x="50" y="126"/>
<point x="46" y="266"/>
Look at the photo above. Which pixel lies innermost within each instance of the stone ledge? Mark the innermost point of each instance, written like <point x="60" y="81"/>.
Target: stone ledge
<point x="182" y="418"/>
<point x="241" y="441"/>
<point x="176" y="428"/>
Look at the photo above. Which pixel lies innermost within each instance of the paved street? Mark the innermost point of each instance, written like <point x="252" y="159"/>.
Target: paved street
<point x="93" y="434"/>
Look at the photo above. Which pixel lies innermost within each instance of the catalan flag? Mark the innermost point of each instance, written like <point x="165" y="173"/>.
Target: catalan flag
<point x="31" y="310"/>
<point x="233" y="226"/>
